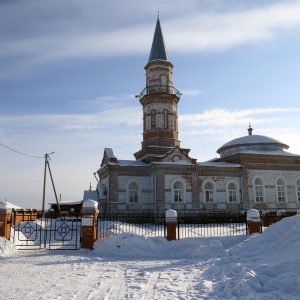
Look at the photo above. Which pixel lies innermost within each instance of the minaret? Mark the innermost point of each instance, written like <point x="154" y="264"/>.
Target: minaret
<point x="159" y="100"/>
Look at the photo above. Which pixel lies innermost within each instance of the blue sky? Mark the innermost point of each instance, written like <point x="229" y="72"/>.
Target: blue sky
<point x="69" y="71"/>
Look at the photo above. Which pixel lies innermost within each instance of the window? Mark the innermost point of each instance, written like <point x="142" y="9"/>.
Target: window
<point x="166" y="121"/>
<point x="148" y="85"/>
<point x="232" y="195"/>
<point x="258" y="190"/>
<point x="178" y="192"/>
<point x="280" y="190"/>
<point x="163" y="83"/>
<point x="209" y="192"/>
<point x="153" y="123"/>
<point x="298" y="189"/>
<point x="133" y="192"/>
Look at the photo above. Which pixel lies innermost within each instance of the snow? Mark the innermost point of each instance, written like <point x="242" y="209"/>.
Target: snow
<point x="5" y="205"/>
<point x="127" y="266"/>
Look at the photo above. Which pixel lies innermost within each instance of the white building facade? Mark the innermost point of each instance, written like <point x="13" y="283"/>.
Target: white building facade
<point x="252" y="171"/>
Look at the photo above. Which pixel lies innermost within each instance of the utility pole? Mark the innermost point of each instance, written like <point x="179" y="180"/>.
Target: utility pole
<point x="44" y="187"/>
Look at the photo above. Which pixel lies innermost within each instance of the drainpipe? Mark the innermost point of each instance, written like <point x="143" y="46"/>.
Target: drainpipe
<point x="242" y="194"/>
<point x="154" y="187"/>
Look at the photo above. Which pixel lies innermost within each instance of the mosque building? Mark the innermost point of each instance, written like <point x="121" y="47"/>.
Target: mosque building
<point x="253" y="171"/>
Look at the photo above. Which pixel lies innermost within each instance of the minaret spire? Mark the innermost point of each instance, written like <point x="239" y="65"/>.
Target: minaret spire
<point x="158" y="49"/>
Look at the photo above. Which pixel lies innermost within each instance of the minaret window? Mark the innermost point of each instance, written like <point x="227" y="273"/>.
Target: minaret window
<point x="144" y="121"/>
<point x="148" y="86"/>
<point x="153" y="123"/>
<point x="166" y="121"/>
<point x="163" y="83"/>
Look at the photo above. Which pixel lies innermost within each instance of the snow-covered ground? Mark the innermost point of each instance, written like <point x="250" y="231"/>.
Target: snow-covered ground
<point x="127" y="266"/>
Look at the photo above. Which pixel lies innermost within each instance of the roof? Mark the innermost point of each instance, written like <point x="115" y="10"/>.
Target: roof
<point x="252" y="140"/>
<point x="218" y="164"/>
<point x="158" y="49"/>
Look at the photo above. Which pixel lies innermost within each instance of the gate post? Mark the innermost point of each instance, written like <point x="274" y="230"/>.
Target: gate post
<point x="171" y="222"/>
<point x="253" y="221"/>
<point x="89" y="220"/>
<point x="5" y="222"/>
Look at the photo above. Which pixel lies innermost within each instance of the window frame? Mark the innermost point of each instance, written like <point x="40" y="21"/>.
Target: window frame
<point x="205" y="190"/>
<point x="230" y="194"/>
<point x="255" y="191"/>
<point x="135" y="193"/>
<point x="174" y="191"/>
<point x="283" y="192"/>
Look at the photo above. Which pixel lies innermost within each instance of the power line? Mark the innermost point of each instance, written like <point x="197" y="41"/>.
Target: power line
<point x="21" y="152"/>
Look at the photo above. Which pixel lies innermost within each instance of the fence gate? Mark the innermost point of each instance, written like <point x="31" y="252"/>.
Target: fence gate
<point x="31" y="232"/>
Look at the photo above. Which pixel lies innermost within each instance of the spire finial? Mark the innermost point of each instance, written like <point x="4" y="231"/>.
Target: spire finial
<point x="158" y="14"/>
<point x="250" y="129"/>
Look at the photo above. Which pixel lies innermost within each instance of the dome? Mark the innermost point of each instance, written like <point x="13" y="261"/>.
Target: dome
<point x="251" y="143"/>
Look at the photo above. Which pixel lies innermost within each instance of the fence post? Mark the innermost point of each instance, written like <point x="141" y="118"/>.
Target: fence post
<point x="89" y="223"/>
<point x="5" y="222"/>
<point x="253" y="221"/>
<point x="171" y="222"/>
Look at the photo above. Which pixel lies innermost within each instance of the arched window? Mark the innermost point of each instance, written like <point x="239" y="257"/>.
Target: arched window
<point x="232" y="193"/>
<point x="153" y="123"/>
<point x="166" y="121"/>
<point x="258" y="190"/>
<point x="163" y="83"/>
<point x="209" y="192"/>
<point x="178" y="192"/>
<point x="148" y="85"/>
<point x="144" y="121"/>
<point x="298" y="189"/>
<point x="280" y="187"/>
<point x="133" y="192"/>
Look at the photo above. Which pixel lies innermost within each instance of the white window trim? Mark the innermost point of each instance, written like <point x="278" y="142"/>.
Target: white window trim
<point x="285" y="189"/>
<point x="139" y="191"/>
<point x="181" y="180"/>
<point x="263" y="188"/>
<point x="214" y="190"/>
<point x="296" y="187"/>
<point x="237" y="191"/>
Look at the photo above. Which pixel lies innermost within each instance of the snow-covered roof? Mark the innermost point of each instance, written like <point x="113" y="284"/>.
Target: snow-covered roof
<point x="178" y="162"/>
<point x="281" y="153"/>
<point x="5" y="204"/>
<point x="109" y="152"/>
<point x="218" y="164"/>
<point x="67" y="203"/>
<point x="137" y="163"/>
<point x="90" y="195"/>
<point x="251" y="140"/>
<point x="89" y="203"/>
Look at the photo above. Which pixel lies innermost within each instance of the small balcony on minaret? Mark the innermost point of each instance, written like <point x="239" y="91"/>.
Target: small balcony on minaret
<point x="158" y="89"/>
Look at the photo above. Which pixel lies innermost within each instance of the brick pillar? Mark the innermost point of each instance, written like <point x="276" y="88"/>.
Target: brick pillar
<point x="253" y="221"/>
<point x="5" y="223"/>
<point x="171" y="222"/>
<point x="89" y="223"/>
<point x="89" y="231"/>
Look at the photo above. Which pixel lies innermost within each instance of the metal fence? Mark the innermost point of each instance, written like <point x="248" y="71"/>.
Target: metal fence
<point x="52" y="231"/>
<point x="140" y="223"/>
<point x="205" y="224"/>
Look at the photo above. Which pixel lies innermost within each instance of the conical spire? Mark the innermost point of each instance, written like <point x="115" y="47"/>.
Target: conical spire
<point x="158" y="49"/>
